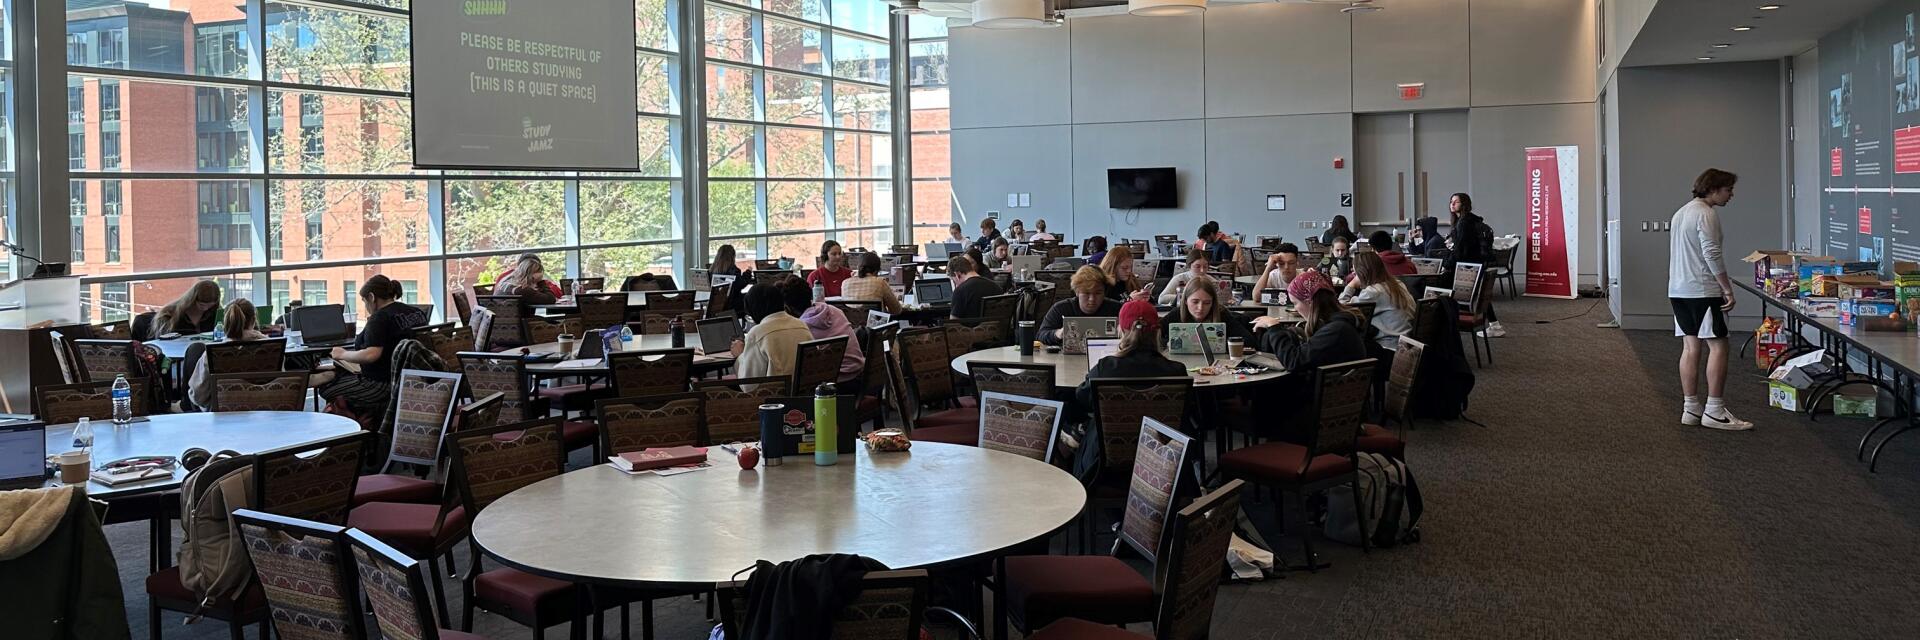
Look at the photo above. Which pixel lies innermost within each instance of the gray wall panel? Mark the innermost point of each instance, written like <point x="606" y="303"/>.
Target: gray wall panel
<point x="1098" y="147"/>
<point x="1277" y="59"/>
<point x="1411" y="41"/>
<point x="990" y="163"/>
<point x="1251" y="158"/>
<point x="1011" y="77"/>
<point x="1808" y="157"/>
<point x="1129" y="69"/>
<point x="1532" y="52"/>
<point x="1499" y="138"/>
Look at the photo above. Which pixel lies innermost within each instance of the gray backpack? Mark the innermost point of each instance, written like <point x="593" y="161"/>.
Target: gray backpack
<point x="1390" y="497"/>
<point x="213" y="561"/>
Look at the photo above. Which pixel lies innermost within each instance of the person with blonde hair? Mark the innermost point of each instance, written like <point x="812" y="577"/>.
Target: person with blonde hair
<point x="528" y="279"/>
<point x="195" y="311"/>
<point x="1122" y="283"/>
<point x="1089" y="301"/>
<point x="1201" y="301"/>
<point x="242" y="324"/>
<point x="1393" y="305"/>
<point x="551" y="286"/>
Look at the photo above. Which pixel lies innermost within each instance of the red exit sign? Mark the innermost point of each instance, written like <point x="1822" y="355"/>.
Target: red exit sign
<point x="1413" y="90"/>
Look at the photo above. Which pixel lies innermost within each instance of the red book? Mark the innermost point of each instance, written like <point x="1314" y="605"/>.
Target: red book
<point x="659" y="458"/>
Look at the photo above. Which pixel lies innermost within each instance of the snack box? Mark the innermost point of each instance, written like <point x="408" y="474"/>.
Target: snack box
<point x="1869" y="266"/>
<point x="1865" y="286"/>
<point x="1855" y="312"/>
<point x="1824" y="286"/>
<point x="1764" y="262"/>
<point x="1820" y="307"/>
<point x="1806" y="267"/>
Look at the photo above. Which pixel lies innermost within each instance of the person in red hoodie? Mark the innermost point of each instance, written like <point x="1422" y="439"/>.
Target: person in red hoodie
<point x="1397" y="263"/>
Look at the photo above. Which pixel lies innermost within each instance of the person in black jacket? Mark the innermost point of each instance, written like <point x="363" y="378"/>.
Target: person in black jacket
<point x="989" y="232"/>
<point x="1138" y="355"/>
<point x="1472" y="238"/>
<point x="196" y="311"/>
<point x="1330" y="335"/>
<point x="1089" y="301"/>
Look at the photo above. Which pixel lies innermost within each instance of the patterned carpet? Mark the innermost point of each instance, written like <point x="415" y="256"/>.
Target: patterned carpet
<point x="1581" y="510"/>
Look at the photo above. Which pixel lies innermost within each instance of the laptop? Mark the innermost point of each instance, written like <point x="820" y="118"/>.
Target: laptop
<point x="1197" y="338"/>
<point x="321" y="325"/>
<point x="1274" y="297"/>
<point x="1173" y="248"/>
<point x="23" y="454"/>
<point x="1100" y="348"/>
<point x="698" y="279"/>
<point x="1075" y="332"/>
<point x="720" y="282"/>
<point x="1028" y="263"/>
<point x="717" y="336"/>
<point x="933" y="291"/>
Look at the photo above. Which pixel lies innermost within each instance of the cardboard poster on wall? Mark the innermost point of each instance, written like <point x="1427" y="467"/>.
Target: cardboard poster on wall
<point x="1553" y="214"/>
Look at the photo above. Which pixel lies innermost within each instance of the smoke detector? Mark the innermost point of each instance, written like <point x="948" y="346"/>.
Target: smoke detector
<point x="907" y="8"/>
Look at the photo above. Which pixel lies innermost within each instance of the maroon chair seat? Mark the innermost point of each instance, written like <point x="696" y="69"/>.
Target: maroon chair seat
<point x="527" y="594"/>
<point x="1377" y="439"/>
<point x="962" y="434"/>
<point x="409" y="527"/>
<point x="1281" y="462"/>
<point x="949" y="417"/>
<point x="578" y="433"/>
<point x="1042" y="589"/>
<point x="1077" y="629"/>
<point x="165" y="585"/>
<point x="389" y="487"/>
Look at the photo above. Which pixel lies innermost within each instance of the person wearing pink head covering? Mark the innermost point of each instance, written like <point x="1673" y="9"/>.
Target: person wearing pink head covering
<point x="1330" y="334"/>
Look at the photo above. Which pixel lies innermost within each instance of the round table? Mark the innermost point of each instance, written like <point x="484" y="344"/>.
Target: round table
<point x="169" y="434"/>
<point x="1071" y="370"/>
<point x="935" y="505"/>
<point x="651" y="342"/>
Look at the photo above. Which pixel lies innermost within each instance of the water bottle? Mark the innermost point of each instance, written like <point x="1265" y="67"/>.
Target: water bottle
<point x="1023" y="274"/>
<point x="219" y="334"/>
<point x="83" y="434"/>
<point x="826" y="426"/>
<point x="122" y="401"/>
<point x="677" y="332"/>
<point x="626" y="337"/>
<point x="819" y="292"/>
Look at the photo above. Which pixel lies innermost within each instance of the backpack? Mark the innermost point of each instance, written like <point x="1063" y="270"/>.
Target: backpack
<point x="1390" y="497"/>
<point x="213" y="561"/>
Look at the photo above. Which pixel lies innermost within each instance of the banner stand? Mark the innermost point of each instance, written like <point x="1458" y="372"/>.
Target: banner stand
<point x="1553" y="222"/>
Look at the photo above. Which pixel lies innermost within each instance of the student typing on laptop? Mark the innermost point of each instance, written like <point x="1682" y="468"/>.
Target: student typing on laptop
<point x="366" y="392"/>
<point x="1089" y="301"/>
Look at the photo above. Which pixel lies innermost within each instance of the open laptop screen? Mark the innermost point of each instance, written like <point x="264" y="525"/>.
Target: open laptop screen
<point x="23" y="453"/>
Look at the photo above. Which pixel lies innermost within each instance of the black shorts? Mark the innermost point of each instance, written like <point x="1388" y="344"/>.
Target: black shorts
<point x="1699" y="317"/>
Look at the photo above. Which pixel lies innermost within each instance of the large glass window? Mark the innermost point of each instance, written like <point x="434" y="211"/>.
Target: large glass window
<point x="930" y="132"/>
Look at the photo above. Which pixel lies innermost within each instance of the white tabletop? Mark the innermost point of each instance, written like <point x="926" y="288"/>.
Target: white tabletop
<point x="1071" y="370"/>
<point x="169" y="434"/>
<point x="650" y="342"/>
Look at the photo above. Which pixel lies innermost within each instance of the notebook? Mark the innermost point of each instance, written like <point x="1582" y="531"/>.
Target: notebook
<point x="1099" y="348"/>
<point x="23" y="454"/>
<point x="717" y="336"/>
<point x="656" y="458"/>
<point x="1196" y="338"/>
<point x="1074" y="332"/>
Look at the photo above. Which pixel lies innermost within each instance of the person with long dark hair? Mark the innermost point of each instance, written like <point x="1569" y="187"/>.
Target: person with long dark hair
<point x="833" y="269"/>
<point x="368" y="391"/>
<point x="723" y="264"/>
<point x="1340" y="228"/>
<point x="1472" y="239"/>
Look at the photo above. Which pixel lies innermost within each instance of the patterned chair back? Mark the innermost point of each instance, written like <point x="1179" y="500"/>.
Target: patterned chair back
<point x="965" y="336"/>
<point x="650" y="373"/>
<point x="445" y="340"/>
<point x="493" y="462"/>
<point x="720" y="298"/>
<point x="1020" y="425"/>
<point x="548" y="329"/>
<point x="116" y="330"/>
<point x="509" y="326"/>
<point x="1400" y="381"/>
<point x="586" y="284"/>
<point x="923" y="360"/>
<point x="1122" y="402"/>
<point x="462" y="304"/>
<point x="104" y="359"/>
<point x="679" y="300"/>
<point x="312" y="481"/>
<point x="856" y="310"/>
<point x="1468" y="286"/>
<point x="1339" y="405"/>
<point x="396" y="588"/>
<point x="878" y="350"/>
<point x="64" y="403"/>
<point x="667" y="420"/>
<point x="648" y="282"/>
<point x="818" y="362"/>
<point x="246" y="356"/>
<point x="660" y="323"/>
<point x="602" y="310"/>
<point x="423" y="408"/>
<point x="479" y="414"/>
<point x="482" y="329"/>
<point x="891" y="606"/>
<point x="505" y="374"/>
<point x="1154" y="485"/>
<point x="1191" y="580"/>
<point x="1000" y="307"/>
<point x="733" y="406"/>
<point x="259" y="391"/>
<point x="306" y="571"/>
<point x="1030" y="379"/>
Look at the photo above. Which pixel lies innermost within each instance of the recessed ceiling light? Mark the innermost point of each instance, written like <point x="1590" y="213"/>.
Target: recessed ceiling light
<point x="1743" y="28"/>
<point x="1704" y="58"/>
<point x="1768" y="7"/>
<point x="1722" y="45"/>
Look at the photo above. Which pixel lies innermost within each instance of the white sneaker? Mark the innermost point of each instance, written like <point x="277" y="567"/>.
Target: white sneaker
<point x="1724" y="422"/>
<point x="1493" y="330"/>
<point x="1690" y="417"/>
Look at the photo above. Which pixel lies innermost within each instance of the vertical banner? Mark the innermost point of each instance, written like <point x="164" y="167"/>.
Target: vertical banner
<point x="1553" y="217"/>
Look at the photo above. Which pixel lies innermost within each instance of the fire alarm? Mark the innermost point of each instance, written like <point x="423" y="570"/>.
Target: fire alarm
<point x="1412" y="90"/>
<point x="1339" y="163"/>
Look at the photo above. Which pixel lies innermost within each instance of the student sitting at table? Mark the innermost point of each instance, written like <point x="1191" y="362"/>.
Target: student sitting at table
<point x="1280" y="270"/>
<point x="241" y="326"/>
<point x="771" y="347"/>
<point x="1089" y="301"/>
<point x="1330" y="335"/>
<point x="1338" y="263"/>
<point x="1339" y="228"/>
<point x="989" y="232"/>
<point x="1196" y="268"/>
<point x="1137" y="356"/>
<point x="968" y="287"/>
<point x="723" y="262"/>
<point x="1122" y="284"/>
<point x="833" y="271"/>
<point x="1040" y="232"/>
<point x="196" y="311"/>
<point x="1017" y="231"/>
<point x="1096" y="250"/>
<point x="1393" y="305"/>
<point x="827" y="321"/>
<point x="528" y="279"/>
<point x="955" y="233"/>
<point x="551" y="286"/>
<point x="367" y="392"/>
<point x="1202" y="301"/>
<point x="868" y="284"/>
<point x="1397" y="263"/>
<point x="1001" y="256"/>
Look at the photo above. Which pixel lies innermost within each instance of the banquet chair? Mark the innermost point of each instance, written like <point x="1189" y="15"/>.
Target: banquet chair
<point x="924" y="367"/>
<point x="545" y="330"/>
<point x="63" y="355"/>
<point x="64" y="403"/>
<point x="462" y="304"/>
<point x="1002" y="308"/>
<point x="818" y="362"/>
<point x="586" y="284"/>
<point x="733" y="406"/>
<point x="1031" y="379"/>
<point x="967" y="335"/>
<point x="509" y="322"/>
<point x="479" y="414"/>
<point x="396" y="591"/>
<point x="647" y="282"/>
<point x="660" y="323"/>
<point x="892" y="605"/>
<point x="1021" y="425"/>
<point x="1123" y="402"/>
<point x="104" y="359"/>
<point x="305" y="569"/>
<point x="1501" y="274"/>
<point x="1327" y="460"/>
<point x="116" y="330"/>
<point x="424" y="403"/>
<point x="1470" y="292"/>
<point x="1035" y="590"/>
<point x="445" y="340"/>
<point x="671" y="300"/>
<point x="647" y="373"/>
<point x="261" y="391"/>
<point x="505" y="374"/>
<point x="1404" y="374"/>
<point x="878" y="346"/>
<point x="720" y="299"/>
<point x="245" y="356"/>
<point x="1190" y="584"/>
<point x="856" y="310"/>
<point x="602" y="310"/>
<point x="644" y="422"/>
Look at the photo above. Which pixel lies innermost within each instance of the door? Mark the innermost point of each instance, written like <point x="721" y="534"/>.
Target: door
<point x="1407" y="165"/>
<point x="1440" y="162"/>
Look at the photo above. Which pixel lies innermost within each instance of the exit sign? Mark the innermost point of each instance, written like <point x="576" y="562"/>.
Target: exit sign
<point x="1413" y="90"/>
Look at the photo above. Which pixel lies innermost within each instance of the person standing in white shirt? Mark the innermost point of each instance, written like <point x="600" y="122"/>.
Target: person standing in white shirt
<point x="1702" y="294"/>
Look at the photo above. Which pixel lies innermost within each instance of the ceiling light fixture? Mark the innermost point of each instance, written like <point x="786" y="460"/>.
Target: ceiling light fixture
<point x="1010" y="14"/>
<point x="1704" y="58"/>
<point x="1768" y="7"/>
<point x="1723" y="45"/>
<point x="1165" y="8"/>
<point x="907" y="8"/>
<point x="1743" y="28"/>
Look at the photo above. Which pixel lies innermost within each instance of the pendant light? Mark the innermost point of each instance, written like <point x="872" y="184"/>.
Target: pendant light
<point x="1161" y="8"/>
<point x="1010" y="14"/>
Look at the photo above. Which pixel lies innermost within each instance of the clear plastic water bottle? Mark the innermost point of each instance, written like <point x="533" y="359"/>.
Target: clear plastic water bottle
<point x="122" y="401"/>
<point x="819" y="292"/>
<point x="626" y="337"/>
<point x="219" y="333"/>
<point x="1023" y="274"/>
<point x="83" y="434"/>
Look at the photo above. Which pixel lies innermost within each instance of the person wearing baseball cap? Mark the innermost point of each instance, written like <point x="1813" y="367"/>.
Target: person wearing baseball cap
<point x="1138" y="355"/>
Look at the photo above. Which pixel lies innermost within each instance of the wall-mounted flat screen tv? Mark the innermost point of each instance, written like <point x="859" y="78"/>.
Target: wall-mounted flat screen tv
<point x="1152" y="188"/>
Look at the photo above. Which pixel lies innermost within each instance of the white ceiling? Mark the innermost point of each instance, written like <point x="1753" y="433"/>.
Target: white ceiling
<point x="1680" y="31"/>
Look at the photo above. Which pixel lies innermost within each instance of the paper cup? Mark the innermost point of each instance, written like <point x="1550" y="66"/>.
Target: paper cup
<point x="74" y="466"/>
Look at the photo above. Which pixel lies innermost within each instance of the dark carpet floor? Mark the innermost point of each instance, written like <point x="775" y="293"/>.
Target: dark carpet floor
<point x="1581" y="510"/>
